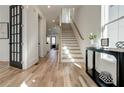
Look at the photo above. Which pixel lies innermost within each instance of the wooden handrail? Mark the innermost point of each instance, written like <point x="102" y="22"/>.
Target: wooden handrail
<point x="77" y="29"/>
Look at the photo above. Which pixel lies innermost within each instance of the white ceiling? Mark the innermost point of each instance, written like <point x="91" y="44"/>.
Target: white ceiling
<point x="53" y="12"/>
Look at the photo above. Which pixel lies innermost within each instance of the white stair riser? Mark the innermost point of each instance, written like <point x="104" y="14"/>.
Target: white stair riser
<point x="75" y="60"/>
<point x="72" y="51"/>
<point x="69" y="40"/>
<point x="73" y="48"/>
<point x="73" y="56"/>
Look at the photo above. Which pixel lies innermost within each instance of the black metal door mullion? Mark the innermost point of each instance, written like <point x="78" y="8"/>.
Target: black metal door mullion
<point x="16" y="35"/>
<point x="10" y="34"/>
<point x="20" y="26"/>
<point x="13" y="35"/>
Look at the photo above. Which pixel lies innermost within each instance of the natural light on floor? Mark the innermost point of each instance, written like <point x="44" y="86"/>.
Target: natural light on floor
<point x="77" y="65"/>
<point x="67" y="52"/>
<point x="23" y="84"/>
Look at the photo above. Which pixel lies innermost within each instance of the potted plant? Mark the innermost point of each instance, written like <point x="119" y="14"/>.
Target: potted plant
<point x="92" y="38"/>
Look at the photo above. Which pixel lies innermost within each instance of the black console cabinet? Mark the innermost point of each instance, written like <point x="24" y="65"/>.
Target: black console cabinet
<point x="118" y="54"/>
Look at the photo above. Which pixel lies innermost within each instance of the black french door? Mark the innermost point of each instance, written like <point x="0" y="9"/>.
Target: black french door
<point x="16" y="36"/>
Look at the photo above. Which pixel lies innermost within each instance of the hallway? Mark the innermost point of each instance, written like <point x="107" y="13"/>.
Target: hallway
<point x="48" y="72"/>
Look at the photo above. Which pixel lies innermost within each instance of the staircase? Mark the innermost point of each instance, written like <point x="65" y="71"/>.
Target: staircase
<point x="70" y="51"/>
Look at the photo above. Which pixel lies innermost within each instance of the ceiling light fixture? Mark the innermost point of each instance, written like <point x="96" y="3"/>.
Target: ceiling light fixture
<point x="48" y="6"/>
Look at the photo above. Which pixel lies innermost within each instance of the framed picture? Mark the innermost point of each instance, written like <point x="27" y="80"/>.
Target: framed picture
<point x="105" y="42"/>
<point x="4" y="30"/>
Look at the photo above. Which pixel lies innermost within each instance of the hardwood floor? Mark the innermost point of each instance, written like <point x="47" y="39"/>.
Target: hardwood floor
<point x="49" y="72"/>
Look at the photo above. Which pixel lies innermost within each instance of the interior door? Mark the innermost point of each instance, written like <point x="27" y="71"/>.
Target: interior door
<point x="16" y="36"/>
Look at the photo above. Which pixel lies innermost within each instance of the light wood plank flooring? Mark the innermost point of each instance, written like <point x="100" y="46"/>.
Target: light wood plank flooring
<point x="49" y="72"/>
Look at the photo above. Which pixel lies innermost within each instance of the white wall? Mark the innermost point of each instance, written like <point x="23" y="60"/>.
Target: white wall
<point x="4" y="43"/>
<point x="43" y="38"/>
<point x="88" y="20"/>
<point x="30" y="35"/>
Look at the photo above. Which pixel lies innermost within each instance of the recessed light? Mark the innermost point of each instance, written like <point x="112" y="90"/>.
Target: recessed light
<point x="53" y="21"/>
<point x="48" y="6"/>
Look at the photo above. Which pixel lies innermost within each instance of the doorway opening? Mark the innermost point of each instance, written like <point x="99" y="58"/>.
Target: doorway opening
<point x="39" y="36"/>
<point x="53" y="42"/>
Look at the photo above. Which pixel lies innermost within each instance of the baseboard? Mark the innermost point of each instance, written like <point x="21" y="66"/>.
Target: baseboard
<point x="1" y="61"/>
<point x="31" y="64"/>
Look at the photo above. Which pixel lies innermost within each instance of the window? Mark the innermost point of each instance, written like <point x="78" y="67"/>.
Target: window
<point x="66" y="15"/>
<point x="114" y="30"/>
<point x="104" y="20"/>
<point x="53" y="40"/>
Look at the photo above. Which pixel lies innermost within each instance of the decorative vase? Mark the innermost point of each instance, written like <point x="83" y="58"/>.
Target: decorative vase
<point x="92" y="43"/>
